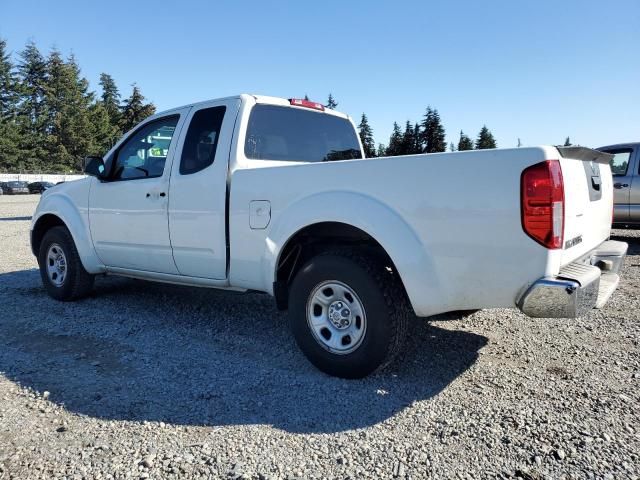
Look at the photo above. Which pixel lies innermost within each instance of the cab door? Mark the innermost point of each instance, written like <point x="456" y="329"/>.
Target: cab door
<point x="198" y="192"/>
<point x="622" y="168"/>
<point x="634" y="193"/>
<point x="128" y="208"/>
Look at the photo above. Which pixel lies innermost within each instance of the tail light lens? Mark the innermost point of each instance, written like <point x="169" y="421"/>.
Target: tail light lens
<point x="542" y="203"/>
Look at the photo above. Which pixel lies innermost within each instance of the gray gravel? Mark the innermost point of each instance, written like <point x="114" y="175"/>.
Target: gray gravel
<point x="152" y="381"/>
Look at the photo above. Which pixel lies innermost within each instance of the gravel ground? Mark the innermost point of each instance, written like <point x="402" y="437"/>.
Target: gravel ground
<point x="152" y="381"/>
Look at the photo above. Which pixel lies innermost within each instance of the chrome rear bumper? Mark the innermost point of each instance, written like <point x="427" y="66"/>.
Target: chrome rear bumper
<point x="579" y="287"/>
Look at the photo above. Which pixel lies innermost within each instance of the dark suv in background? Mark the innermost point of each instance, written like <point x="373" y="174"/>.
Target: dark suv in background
<point x="39" y="187"/>
<point x="14" y="187"/>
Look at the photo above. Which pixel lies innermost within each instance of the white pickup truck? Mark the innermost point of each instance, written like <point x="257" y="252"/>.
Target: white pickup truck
<point x="261" y="193"/>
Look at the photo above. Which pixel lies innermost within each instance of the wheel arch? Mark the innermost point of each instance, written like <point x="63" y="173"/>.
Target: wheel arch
<point x="339" y="218"/>
<point x="55" y="211"/>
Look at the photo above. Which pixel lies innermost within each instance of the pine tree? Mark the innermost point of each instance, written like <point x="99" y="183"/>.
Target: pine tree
<point x="452" y="147"/>
<point x="382" y="150"/>
<point x="110" y="98"/>
<point x="366" y="137"/>
<point x="417" y="137"/>
<point x="408" y="144"/>
<point x="134" y="110"/>
<point x="331" y="103"/>
<point x="395" y="142"/>
<point x="9" y="133"/>
<point x="70" y="130"/>
<point x="485" y="139"/>
<point x="433" y="135"/>
<point x="465" y="143"/>
<point x="8" y="84"/>
<point x="32" y="115"/>
<point x="567" y="142"/>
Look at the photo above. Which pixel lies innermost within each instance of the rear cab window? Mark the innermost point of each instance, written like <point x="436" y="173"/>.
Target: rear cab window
<point x="297" y="135"/>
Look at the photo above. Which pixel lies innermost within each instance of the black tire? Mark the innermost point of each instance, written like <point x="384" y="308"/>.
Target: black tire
<point x="385" y="305"/>
<point x="77" y="282"/>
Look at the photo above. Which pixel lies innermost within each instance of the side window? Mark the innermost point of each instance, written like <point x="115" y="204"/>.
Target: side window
<point x="144" y="153"/>
<point x="620" y="162"/>
<point x="200" y="144"/>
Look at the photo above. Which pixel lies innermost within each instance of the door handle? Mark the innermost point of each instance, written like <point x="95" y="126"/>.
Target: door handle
<point x="156" y="194"/>
<point x="619" y="185"/>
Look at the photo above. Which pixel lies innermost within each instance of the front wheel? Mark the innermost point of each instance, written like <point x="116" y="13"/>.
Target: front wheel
<point x="348" y="313"/>
<point x="61" y="270"/>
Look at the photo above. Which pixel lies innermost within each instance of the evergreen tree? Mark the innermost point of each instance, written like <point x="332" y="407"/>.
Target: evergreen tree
<point x="465" y="143"/>
<point x="433" y="135"/>
<point x="485" y="139"/>
<point x="110" y="98"/>
<point x="134" y="110"/>
<point x="366" y="137"/>
<point x="32" y="109"/>
<point x="567" y="142"/>
<point x="8" y="84"/>
<point x="331" y="103"/>
<point x="408" y="144"/>
<point x="417" y="137"/>
<point x="452" y="147"/>
<point x="382" y="150"/>
<point x="70" y="131"/>
<point x="395" y="142"/>
<point x="9" y="133"/>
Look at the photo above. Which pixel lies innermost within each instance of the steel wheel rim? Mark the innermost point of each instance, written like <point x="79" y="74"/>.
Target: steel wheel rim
<point x="336" y="317"/>
<point x="56" y="265"/>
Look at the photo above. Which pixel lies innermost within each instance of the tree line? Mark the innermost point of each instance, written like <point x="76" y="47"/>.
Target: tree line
<point x="50" y="120"/>
<point x="427" y="136"/>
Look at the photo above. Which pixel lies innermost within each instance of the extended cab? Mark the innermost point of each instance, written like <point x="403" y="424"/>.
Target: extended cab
<point x="261" y="193"/>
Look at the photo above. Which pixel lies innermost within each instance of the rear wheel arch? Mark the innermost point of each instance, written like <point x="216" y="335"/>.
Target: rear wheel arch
<point x="318" y="238"/>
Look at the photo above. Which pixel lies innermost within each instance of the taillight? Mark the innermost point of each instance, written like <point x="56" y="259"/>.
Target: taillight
<point x="299" y="102"/>
<point x="542" y="203"/>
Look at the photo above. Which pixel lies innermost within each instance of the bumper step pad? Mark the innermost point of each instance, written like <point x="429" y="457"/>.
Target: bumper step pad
<point x="608" y="284"/>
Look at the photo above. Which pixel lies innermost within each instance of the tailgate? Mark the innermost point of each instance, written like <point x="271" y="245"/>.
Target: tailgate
<point x="588" y="191"/>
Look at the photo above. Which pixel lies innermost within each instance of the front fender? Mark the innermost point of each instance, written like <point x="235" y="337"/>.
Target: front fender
<point x="70" y="204"/>
<point x="412" y="260"/>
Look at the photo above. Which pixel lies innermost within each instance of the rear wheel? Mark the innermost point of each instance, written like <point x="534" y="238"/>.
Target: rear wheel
<point x="61" y="270"/>
<point x="348" y="313"/>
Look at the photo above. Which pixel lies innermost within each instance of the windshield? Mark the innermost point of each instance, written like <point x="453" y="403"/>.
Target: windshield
<point x="16" y="184"/>
<point x="296" y="135"/>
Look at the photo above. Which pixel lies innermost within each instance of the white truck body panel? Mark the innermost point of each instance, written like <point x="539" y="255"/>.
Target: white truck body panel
<point x="455" y="246"/>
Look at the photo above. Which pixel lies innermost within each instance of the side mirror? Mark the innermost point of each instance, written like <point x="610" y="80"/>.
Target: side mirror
<point x="94" y="166"/>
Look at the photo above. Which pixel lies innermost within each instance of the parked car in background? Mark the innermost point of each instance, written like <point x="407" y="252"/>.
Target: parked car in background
<point x="40" y="187"/>
<point x="625" y="168"/>
<point x="275" y="195"/>
<point x="15" y="187"/>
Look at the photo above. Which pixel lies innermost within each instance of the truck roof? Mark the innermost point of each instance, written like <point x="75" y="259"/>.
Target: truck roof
<point x="261" y="99"/>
